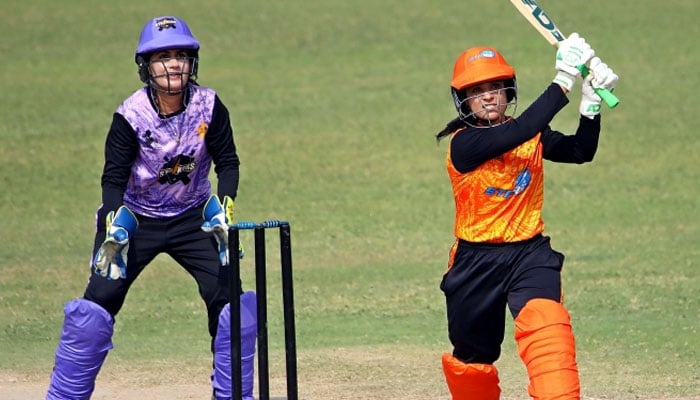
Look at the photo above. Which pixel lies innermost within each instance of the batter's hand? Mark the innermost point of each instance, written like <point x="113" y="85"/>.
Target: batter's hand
<point x="601" y="77"/>
<point x="572" y="53"/>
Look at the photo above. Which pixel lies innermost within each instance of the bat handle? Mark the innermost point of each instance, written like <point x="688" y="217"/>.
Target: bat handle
<point x="608" y="97"/>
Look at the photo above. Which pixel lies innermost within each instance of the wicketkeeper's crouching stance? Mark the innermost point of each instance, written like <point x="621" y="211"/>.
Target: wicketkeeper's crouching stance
<point x="501" y="257"/>
<point x="87" y="331"/>
<point x="157" y="198"/>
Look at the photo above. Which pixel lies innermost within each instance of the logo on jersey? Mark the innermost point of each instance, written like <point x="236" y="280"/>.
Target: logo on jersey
<point x="151" y="141"/>
<point x="521" y="183"/>
<point x="177" y="169"/>
<point x="202" y="130"/>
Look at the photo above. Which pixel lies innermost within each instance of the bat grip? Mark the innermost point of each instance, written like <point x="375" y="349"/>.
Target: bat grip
<point x="608" y="97"/>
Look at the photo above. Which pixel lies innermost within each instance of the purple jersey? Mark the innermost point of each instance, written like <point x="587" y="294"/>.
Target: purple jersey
<point x="171" y="172"/>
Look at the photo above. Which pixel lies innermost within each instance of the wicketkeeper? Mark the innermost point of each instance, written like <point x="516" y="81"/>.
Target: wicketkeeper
<point x="500" y="257"/>
<point x="157" y="198"/>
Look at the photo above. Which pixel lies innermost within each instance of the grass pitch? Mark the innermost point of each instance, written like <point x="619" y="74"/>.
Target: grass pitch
<point x="334" y="106"/>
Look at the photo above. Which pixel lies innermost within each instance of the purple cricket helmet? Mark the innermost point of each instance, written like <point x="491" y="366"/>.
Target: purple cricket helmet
<point x="165" y="33"/>
<point x="162" y="33"/>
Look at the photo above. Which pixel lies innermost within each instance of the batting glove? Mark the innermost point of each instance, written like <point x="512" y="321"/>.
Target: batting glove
<point x="217" y="219"/>
<point x="601" y="77"/>
<point x="111" y="258"/>
<point x="572" y="54"/>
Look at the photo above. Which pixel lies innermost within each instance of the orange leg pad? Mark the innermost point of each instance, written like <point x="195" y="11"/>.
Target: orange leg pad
<point x="546" y="346"/>
<point x="470" y="381"/>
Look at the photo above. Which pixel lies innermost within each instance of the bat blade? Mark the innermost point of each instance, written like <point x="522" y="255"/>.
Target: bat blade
<point x="546" y="27"/>
<point x="539" y="20"/>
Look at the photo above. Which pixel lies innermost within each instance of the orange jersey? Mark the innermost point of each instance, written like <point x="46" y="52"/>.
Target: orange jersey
<point x="500" y="200"/>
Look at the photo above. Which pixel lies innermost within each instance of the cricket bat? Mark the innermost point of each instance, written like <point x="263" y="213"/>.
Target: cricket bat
<point x="546" y="27"/>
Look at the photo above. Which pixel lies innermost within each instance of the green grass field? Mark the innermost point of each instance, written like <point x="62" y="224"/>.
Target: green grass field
<point x="334" y="106"/>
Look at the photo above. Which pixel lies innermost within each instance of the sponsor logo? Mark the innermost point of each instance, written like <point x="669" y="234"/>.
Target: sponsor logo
<point x="521" y="183"/>
<point x="177" y="169"/>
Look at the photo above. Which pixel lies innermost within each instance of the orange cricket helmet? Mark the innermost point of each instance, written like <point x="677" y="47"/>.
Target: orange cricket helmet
<point x="478" y="65"/>
<point x="475" y="66"/>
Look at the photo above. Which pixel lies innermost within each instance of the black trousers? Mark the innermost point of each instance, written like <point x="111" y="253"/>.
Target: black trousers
<point x="182" y="239"/>
<point x="483" y="279"/>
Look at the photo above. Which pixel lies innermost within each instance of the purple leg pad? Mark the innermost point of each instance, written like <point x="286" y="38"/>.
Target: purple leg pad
<point x="86" y="338"/>
<point x="222" y="349"/>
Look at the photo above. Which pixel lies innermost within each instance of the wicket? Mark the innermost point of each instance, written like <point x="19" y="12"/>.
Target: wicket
<point x="261" y="292"/>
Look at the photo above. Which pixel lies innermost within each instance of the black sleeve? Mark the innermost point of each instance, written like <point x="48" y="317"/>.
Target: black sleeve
<point x="221" y="147"/>
<point x="474" y="146"/>
<point x="578" y="148"/>
<point x="121" y="149"/>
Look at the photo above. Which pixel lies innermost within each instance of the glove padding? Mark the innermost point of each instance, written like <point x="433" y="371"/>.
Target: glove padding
<point x="573" y="52"/>
<point x="217" y="219"/>
<point x="600" y="77"/>
<point x="111" y="258"/>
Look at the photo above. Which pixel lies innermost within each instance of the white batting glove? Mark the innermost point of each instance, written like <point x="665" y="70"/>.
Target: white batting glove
<point x="603" y="76"/>
<point x="600" y="77"/>
<point x="573" y="52"/>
